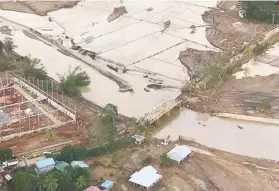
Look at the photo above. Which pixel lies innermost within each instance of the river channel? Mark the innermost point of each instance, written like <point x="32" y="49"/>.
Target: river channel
<point x="239" y="137"/>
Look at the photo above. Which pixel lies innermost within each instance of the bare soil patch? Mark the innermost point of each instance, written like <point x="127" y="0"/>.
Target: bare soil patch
<point x="228" y="32"/>
<point x="36" y="7"/>
<point x="223" y="171"/>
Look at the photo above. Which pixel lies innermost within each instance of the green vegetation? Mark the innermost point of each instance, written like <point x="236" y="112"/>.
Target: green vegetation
<point x="264" y="107"/>
<point x="74" y="179"/>
<point x="5" y="154"/>
<point x="264" y="11"/>
<point x="165" y="160"/>
<point x="144" y="128"/>
<point x="103" y="128"/>
<point x="32" y="68"/>
<point x="147" y="160"/>
<point x="70" y="82"/>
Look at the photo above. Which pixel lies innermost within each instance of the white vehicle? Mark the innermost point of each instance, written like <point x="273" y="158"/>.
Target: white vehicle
<point x="9" y="163"/>
<point x="46" y="153"/>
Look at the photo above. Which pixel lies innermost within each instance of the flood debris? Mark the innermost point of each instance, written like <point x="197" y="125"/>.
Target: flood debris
<point x="240" y="127"/>
<point x="166" y="25"/>
<point x="117" y="12"/>
<point x="113" y="67"/>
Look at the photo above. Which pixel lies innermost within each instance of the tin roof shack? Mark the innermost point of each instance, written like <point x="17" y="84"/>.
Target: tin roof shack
<point x="81" y="164"/>
<point x="108" y="184"/>
<point x="145" y="178"/>
<point x="94" y="188"/>
<point x="61" y="166"/>
<point x="139" y="139"/>
<point x="8" y="177"/>
<point x="44" y="165"/>
<point x="179" y="153"/>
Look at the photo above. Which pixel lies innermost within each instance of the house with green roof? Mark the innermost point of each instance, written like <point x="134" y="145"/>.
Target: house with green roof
<point x="61" y="166"/>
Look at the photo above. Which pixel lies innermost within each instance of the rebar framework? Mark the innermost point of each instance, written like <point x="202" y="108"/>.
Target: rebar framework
<point x="22" y="112"/>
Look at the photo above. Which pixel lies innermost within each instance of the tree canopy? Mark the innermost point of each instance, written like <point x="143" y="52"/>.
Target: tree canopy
<point x="5" y="154"/>
<point x="70" y="82"/>
<point x="103" y="128"/>
<point x="264" y="11"/>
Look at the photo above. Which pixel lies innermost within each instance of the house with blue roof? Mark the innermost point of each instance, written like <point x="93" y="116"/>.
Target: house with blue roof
<point x="108" y="184"/>
<point x="44" y="165"/>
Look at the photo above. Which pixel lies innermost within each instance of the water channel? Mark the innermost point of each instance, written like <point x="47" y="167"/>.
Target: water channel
<point x="239" y="137"/>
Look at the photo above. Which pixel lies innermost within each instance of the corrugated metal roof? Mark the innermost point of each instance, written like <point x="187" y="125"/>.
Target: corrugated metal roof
<point x="107" y="184"/>
<point x="179" y="153"/>
<point x="45" y="163"/>
<point x="146" y="177"/>
<point x="61" y="165"/>
<point x="81" y="164"/>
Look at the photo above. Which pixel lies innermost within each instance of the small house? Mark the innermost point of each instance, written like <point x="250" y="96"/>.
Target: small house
<point x="80" y="164"/>
<point x="138" y="139"/>
<point x="108" y="184"/>
<point x="145" y="178"/>
<point x="179" y="153"/>
<point x="61" y="166"/>
<point x="44" y="165"/>
<point x="8" y="177"/>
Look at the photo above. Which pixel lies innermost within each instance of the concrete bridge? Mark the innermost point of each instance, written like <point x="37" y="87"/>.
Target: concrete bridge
<point x="159" y="111"/>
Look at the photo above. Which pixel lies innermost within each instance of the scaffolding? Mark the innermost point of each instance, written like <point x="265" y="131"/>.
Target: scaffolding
<point x="26" y="106"/>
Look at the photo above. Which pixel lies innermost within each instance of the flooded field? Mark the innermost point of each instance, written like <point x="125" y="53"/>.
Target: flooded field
<point x="139" y="40"/>
<point x="239" y="137"/>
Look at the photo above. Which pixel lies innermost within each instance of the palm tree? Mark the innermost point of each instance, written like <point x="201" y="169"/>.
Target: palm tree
<point x="80" y="183"/>
<point x="50" y="183"/>
<point x="70" y="82"/>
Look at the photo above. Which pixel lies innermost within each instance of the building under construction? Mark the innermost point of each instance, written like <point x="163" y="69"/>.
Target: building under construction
<point x="28" y="106"/>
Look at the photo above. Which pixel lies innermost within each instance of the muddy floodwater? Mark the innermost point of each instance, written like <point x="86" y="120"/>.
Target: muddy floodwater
<point x="239" y="137"/>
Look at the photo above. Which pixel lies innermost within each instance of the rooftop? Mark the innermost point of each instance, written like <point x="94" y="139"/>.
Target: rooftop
<point x="81" y="164"/>
<point x="61" y="166"/>
<point x="146" y="177"/>
<point x="138" y="137"/>
<point x="45" y="163"/>
<point x="107" y="184"/>
<point x="179" y="152"/>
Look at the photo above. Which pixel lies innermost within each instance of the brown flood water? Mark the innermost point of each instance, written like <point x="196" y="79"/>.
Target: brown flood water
<point x="250" y="139"/>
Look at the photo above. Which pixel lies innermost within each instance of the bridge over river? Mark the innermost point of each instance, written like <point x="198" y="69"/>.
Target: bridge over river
<point x="165" y="108"/>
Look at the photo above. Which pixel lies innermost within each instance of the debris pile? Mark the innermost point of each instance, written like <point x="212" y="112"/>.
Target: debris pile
<point x="117" y="12"/>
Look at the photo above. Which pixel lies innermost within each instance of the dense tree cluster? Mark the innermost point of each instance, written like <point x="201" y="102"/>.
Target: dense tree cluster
<point x="73" y="179"/>
<point x="5" y="154"/>
<point x="264" y="11"/>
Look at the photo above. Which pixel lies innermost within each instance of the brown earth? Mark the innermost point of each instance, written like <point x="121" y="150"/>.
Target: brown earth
<point x="228" y="32"/>
<point x="243" y="96"/>
<point x="38" y="7"/>
<point x="207" y="169"/>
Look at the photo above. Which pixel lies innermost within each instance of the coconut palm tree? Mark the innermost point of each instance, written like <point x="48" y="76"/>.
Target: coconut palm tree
<point x="80" y="183"/>
<point x="50" y="183"/>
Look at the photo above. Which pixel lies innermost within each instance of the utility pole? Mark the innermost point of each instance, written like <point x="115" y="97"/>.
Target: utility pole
<point x="273" y="15"/>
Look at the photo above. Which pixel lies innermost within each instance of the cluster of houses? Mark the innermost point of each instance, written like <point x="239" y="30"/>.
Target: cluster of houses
<point x="145" y="178"/>
<point x="148" y="176"/>
<point x="48" y="164"/>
